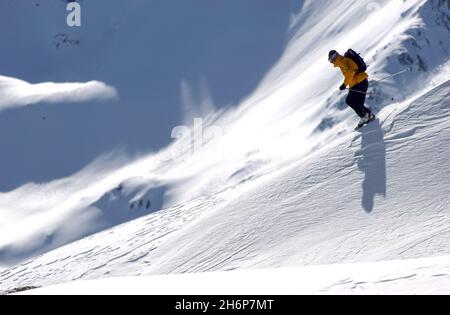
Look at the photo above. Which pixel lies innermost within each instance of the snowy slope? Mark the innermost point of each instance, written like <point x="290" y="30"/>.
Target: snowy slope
<point x="352" y="201"/>
<point x="164" y="70"/>
<point x="415" y="276"/>
<point x="277" y="180"/>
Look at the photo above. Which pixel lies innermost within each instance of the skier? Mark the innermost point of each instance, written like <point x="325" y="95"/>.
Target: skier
<point x="353" y="68"/>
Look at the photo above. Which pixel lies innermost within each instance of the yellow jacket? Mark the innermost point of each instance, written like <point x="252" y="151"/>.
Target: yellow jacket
<point x="349" y="69"/>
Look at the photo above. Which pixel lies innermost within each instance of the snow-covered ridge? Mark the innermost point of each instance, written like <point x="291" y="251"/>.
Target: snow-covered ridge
<point x="420" y="46"/>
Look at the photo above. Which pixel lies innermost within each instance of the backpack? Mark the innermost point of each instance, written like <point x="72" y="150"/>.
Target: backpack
<point x="353" y="55"/>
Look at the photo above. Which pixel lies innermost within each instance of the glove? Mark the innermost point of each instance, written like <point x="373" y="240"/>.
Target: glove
<point x="342" y="87"/>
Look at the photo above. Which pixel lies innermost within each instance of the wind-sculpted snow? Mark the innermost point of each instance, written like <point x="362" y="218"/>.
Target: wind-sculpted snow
<point x="18" y="93"/>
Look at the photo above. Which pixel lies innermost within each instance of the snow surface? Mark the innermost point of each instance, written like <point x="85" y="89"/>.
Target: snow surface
<point x="415" y="276"/>
<point x="357" y="204"/>
<point x="278" y="179"/>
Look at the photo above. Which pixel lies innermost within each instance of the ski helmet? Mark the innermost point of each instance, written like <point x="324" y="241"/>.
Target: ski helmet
<point x="332" y="55"/>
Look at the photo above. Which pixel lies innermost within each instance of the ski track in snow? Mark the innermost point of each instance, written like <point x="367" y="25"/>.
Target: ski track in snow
<point x="129" y="246"/>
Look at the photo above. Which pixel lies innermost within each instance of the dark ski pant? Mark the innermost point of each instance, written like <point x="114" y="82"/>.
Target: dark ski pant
<point x="356" y="100"/>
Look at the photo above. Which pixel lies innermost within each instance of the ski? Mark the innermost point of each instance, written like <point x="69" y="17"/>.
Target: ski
<point x="359" y="126"/>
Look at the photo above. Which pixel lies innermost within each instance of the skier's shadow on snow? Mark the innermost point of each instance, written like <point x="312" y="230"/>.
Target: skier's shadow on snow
<point x="371" y="160"/>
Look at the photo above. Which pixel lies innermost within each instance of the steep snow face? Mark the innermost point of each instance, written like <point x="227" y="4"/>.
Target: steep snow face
<point x="376" y="195"/>
<point x="293" y="112"/>
<point x="422" y="48"/>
